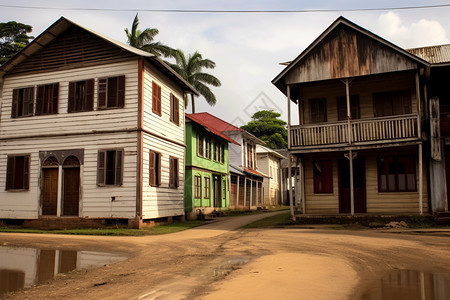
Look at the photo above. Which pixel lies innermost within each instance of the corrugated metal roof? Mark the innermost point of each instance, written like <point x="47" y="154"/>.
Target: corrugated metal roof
<point x="433" y="54"/>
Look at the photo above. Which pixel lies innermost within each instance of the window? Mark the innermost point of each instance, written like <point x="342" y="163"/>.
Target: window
<point x="323" y="177"/>
<point x="396" y="174"/>
<point x="109" y="171"/>
<point x="214" y="148"/>
<point x="224" y="189"/>
<point x="222" y="153"/>
<point x="47" y="99"/>
<point x="156" y="98"/>
<point x="200" y="145"/>
<point x="207" y="188"/>
<point x="173" y="172"/>
<point x="197" y="186"/>
<point x="250" y="156"/>
<point x="342" y="107"/>
<point x="18" y="172"/>
<point x="318" y="110"/>
<point x="154" y="168"/>
<point x="23" y="101"/>
<point x="111" y="92"/>
<point x="207" y="149"/>
<point x="81" y="96"/>
<point x="174" y="110"/>
<point x="392" y="103"/>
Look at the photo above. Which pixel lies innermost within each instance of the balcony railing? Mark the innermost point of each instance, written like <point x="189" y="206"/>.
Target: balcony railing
<point x="363" y="131"/>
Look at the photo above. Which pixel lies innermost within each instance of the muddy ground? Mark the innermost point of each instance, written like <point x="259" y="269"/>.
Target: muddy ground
<point x="223" y="261"/>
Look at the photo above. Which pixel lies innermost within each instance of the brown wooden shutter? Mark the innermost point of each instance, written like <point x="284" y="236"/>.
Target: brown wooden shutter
<point x="151" y="167"/>
<point x="156" y="98"/>
<point x="40" y="99"/>
<point x="121" y="91"/>
<point x="10" y="173"/>
<point x="26" y="172"/>
<point x="29" y="100"/>
<point x="71" y="101"/>
<point x="90" y="94"/>
<point x="101" y="168"/>
<point x="55" y="98"/>
<point x="171" y="177"/>
<point x="172" y="108"/>
<point x="102" y="86"/>
<point x="158" y="169"/>
<point x="176" y="111"/>
<point x="15" y="103"/>
<point x="119" y="167"/>
<point x="175" y="172"/>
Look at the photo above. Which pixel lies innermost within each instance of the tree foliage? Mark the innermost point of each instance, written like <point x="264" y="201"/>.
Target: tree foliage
<point x="191" y="69"/>
<point x="144" y="40"/>
<point x="266" y="126"/>
<point x="13" y="38"/>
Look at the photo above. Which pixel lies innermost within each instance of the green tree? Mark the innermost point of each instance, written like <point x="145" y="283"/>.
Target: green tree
<point x="190" y="68"/>
<point x="13" y="38"/>
<point x="266" y="126"/>
<point x="144" y="40"/>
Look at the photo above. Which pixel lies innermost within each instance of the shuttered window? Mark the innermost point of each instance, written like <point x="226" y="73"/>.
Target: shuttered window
<point x="110" y="165"/>
<point x="200" y="145"/>
<point x="156" y="98"/>
<point x="18" y="172"/>
<point x="173" y="172"/>
<point x="318" y="110"/>
<point x="47" y="99"/>
<point x="81" y="96"/>
<point x="342" y="107"/>
<point x="197" y="186"/>
<point x="111" y="92"/>
<point x="323" y="177"/>
<point x="23" y="102"/>
<point x="174" y="110"/>
<point x="396" y="174"/>
<point x="207" y="187"/>
<point x="392" y="103"/>
<point x="154" y="168"/>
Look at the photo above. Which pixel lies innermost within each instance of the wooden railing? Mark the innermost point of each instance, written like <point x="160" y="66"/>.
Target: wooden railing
<point x="394" y="128"/>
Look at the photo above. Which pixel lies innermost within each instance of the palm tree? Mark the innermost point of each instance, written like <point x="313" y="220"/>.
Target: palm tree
<point x="190" y="69"/>
<point x="144" y="40"/>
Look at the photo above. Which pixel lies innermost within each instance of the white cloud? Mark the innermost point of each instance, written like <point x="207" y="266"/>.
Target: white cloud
<point x="425" y="32"/>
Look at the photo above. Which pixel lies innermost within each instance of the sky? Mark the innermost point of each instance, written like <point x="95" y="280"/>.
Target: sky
<point x="247" y="48"/>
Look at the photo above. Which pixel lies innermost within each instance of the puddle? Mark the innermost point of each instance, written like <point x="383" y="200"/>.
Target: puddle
<point x="410" y="285"/>
<point x="25" y="267"/>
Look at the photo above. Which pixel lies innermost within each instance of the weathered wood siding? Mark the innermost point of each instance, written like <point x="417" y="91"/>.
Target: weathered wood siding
<point x="364" y="88"/>
<point x="95" y="201"/>
<point x="348" y="53"/>
<point x="76" y="122"/>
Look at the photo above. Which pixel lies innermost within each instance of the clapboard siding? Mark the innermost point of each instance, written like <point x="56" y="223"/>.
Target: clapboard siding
<point x="161" y="125"/>
<point x="64" y="122"/>
<point x="162" y="201"/>
<point x="95" y="201"/>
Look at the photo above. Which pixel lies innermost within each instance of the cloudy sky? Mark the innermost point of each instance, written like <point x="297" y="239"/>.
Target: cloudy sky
<point x="247" y="48"/>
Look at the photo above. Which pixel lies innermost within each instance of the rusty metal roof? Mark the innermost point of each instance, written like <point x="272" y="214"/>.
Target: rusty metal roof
<point x="439" y="54"/>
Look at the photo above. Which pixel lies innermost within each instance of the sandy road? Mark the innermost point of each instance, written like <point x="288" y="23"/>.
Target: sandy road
<point x="221" y="261"/>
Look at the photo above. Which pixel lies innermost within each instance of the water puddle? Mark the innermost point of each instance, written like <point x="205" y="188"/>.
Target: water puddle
<point x="25" y="267"/>
<point x="409" y="285"/>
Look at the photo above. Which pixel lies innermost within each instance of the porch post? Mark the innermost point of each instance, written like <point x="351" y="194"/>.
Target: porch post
<point x="350" y="140"/>
<point x="302" y="185"/>
<point x="236" y="205"/>
<point x="60" y="188"/>
<point x="420" y="180"/>
<point x="419" y="106"/>
<point x="291" y="200"/>
<point x="245" y="193"/>
<point x="352" y="196"/>
<point x="251" y="194"/>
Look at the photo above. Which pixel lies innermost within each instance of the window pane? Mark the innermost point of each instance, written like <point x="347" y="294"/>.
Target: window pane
<point x="411" y="183"/>
<point x="401" y="182"/>
<point x="391" y="182"/>
<point x="383" y="186"/>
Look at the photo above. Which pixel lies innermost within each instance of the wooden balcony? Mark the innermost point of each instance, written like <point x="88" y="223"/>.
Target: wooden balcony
<point x="390" y="129"/>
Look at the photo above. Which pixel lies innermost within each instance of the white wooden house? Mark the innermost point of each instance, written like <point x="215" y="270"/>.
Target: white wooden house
<point x="269" y="163"/>
<point x="90" y="128"/>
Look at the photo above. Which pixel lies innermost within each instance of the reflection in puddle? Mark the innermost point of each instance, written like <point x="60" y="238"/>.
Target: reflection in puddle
<point x="411" y="285"/>
<point x="24" y="267"/>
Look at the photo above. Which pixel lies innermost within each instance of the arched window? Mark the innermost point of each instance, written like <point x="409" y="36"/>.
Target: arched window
<point x="71" y="162"/>
<point x="50" y="162"/>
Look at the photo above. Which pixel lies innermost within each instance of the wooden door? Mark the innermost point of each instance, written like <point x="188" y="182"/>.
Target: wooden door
<point x="216" y="192"/>
<point x="50" y="191"/>
<point x="71" y="191"/>
<point x="359" y="186"/>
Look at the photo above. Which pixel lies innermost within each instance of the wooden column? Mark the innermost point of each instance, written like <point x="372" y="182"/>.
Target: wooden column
<point x="245" y="193"/>
<point x="352" y="195"/>
<point x="419" y="106"/>
<point x="251" y="194"/>
<point x="60" y="188"/>
<point x="237" y="192"/>
<point x="302" y="185"/>
<point x="291" y="200"/>
<point x="420" y="180"/>
<point x="350" y="140"/>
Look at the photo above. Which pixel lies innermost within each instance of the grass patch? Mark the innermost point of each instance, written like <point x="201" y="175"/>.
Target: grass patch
<point x="277" y="220"/>
<point x="158" y="229"/>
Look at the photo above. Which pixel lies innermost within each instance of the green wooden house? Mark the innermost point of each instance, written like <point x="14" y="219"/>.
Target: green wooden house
<point x="207" y="173"/>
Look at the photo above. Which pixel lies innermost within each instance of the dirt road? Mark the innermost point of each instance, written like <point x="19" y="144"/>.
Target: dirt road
<point x="221" y="261"/>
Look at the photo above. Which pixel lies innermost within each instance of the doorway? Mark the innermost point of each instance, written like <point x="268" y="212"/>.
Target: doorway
<point x="359" y="186"/>
<point x="71" y="186"/>
<point x="217" y="202"/>
<point x="50" y="187"/>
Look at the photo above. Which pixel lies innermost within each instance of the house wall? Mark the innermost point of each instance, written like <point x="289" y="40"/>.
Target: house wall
<point x="235" y="151"/>
<point x="269" y="165"/>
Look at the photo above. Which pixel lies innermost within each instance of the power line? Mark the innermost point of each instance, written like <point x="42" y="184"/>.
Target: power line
<point x="227" y="11"/>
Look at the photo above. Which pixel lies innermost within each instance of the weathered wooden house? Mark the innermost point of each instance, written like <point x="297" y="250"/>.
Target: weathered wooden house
<point x="268" y="162"/>
<point x="90" y="128"/>
<point x="207" y="173"/>
<point x="438" y="109"/>
<point x="246" y="190"/>
<point x="360" y="138"/>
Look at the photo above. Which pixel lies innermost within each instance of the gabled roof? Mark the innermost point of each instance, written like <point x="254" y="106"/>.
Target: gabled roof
<point x="435" y="55"/>
<point x="194" y="118"/>
<point x="62" y="24"/>
<point x="223" y="126"/>
<point x="262" y="149"/>
<point x="341" y="21"/>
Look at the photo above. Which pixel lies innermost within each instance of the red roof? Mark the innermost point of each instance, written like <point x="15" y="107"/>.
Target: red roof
<point x="253" y="172"/>
<point x="215" y="122"/>
<point x="194" y="118"/>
